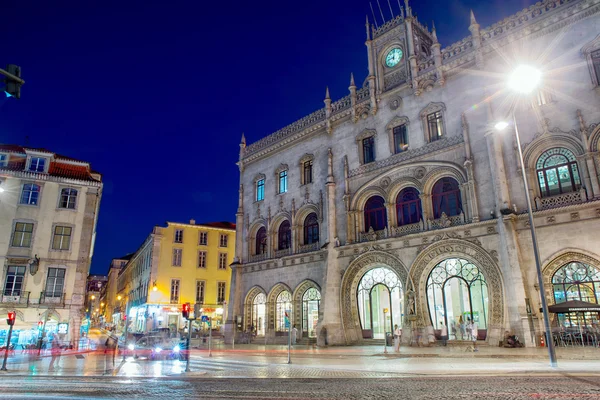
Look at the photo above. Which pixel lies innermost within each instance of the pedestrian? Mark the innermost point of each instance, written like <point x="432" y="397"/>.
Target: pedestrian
<point x="397" y="337"/>
<point x="469" y="329"/>
<point x="55" y="351"/>
<point x="454" y="330"/>
<point x="474" y="334"/>
<point x="294" y="334"/>
<point x="461" y="325"/>
<point x="444" y="333"/>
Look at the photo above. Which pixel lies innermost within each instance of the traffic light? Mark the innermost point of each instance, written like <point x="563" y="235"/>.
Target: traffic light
<point x="13" y="88"/>
<point x="40" y="325"/>
<point x="185" y="311"/>
<point x="11" y="318"/>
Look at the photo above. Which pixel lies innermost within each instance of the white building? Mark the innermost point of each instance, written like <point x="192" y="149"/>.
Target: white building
<point x="48" y="212"/>
<point x="401" y="196"/>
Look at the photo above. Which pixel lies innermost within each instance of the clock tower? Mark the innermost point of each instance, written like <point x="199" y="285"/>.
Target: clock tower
<point x="397" y="51"/>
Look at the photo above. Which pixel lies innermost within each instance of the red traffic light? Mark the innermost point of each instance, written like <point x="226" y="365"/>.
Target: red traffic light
<point x="12" y="316"/>
<point x="185" y="310"/>
<point x="40" y="324"/>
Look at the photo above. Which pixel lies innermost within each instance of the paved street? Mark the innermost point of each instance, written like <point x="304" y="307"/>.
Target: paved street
<point x="479" y="387"/>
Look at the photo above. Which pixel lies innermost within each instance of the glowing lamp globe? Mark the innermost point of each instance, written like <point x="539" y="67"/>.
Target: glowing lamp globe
<point x="524" y="79"/>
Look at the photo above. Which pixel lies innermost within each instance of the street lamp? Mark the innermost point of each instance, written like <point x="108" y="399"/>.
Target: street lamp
<point x="524" y="79"/>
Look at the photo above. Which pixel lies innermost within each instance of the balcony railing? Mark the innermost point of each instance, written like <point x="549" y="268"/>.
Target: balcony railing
<point x="406" y="229"/>
<point x="307" y="248"/>
<point x="445" y="221"/>
<point x="15" y="298"/>
<point x="283" y="252"/>
<point x="258" y="257"/>
<point x="53" y="298"/>
<point x="560" y="200"/>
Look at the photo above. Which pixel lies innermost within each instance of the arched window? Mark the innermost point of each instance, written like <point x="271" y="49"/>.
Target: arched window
<point x="408" y="206"/>
<point x="261" y="241"/>
<point x="375" y="214"/>
<point x="379" y="288"/>
<point x="311" y="229"/>
<point x="310" y="312"/>
<point x="258" y="314"/>
<point x="557" y="172"/>
<point x="284" y="303"/>
<point x="446" y="198"/>
<point x="284" y="236"/>
<point x="577" y="281"/>
<point x="457" y="294"/>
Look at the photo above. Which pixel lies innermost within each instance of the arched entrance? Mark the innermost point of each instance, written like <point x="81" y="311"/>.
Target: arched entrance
<point x="577" y="281"/>
<point x="476" y="266"/>
<point x="283" y="303"/>
<point x="259" y="311"/>
<point x="310" y="312"/>
<point x="380" y="262"/>
<point x="379" y="302"/>
<point x="456" y="295"/>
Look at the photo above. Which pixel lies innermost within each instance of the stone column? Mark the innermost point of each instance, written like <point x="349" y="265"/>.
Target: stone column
<point x="593" y="176"/>
<point x="390" y="209"/>
<point x="330" y="310"/>
<point x="474" y="207"/>
<point x="234" y="307"/>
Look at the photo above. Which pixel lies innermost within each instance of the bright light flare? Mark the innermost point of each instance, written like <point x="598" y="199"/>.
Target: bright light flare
<point x="524" y="79"/>
<point x="501" y="125"/>
<point x="131" y="346"/>
<point x="1" y="189"/>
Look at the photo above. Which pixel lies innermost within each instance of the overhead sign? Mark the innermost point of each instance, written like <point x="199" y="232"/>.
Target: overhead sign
<point x="63" y="328"/>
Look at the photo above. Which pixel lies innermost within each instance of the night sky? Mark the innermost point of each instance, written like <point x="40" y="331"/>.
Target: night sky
<point x="156" y="94"/>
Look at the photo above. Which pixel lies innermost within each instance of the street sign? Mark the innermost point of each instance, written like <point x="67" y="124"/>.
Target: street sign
<point x="205" y="318"/>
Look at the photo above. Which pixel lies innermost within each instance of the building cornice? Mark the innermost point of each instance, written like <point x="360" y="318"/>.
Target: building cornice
<point x="199" y="227"/>
<point x="48" y="178"/>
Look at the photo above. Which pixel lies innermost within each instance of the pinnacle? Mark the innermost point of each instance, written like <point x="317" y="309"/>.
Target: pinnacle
<point x="327" y="93"/>
<point x="352" y="79"/>
<point x="243" y="141"/>
<point x="473" y="20"/>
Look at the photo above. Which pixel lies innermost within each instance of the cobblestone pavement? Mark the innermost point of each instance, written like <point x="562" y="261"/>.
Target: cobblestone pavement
<point x="557" y="386"/>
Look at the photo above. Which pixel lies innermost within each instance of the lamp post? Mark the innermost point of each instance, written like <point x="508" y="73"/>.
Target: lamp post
<point x="524" y="79"/>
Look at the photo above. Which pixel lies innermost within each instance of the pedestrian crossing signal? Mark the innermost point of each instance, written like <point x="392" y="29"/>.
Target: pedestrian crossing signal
<point x="185" y="311"/>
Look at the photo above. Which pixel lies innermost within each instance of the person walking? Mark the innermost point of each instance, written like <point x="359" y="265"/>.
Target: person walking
<point x="397" y="337"/>
<point x="461" y="325"/>
<point x="294" y="335"/>
<point x="444" y="333"/>
<point x="55" y="352"/>
<point x="474" y="334"/>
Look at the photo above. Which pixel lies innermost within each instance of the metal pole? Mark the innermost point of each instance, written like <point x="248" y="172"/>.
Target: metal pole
<point x="41" y="340"/>
<point x="384" y="335"/>
<point x="289" y="342"/>
<point x="188" y="346"/>
<point x="536" y="253"/>
<point x="7" y="347"/>
<point x="209" y="336"/>
<point x="126" y="325"/>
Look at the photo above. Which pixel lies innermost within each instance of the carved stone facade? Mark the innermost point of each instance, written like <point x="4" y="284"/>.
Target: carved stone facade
<point x="466" y="179"/>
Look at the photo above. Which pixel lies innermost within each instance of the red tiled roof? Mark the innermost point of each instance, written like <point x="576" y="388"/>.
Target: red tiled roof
<point x="56" y="168"/>
<point x="222" y="225"/>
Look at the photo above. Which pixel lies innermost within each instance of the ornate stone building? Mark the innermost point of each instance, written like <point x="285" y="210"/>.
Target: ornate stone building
<point x="401" y="204"/>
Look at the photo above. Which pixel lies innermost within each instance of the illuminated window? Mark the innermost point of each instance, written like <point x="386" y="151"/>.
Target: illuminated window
<point x="22" y="235"/>
<point x="30" y="194"/>
<point x="260" y="190"/>
<point x="435" y="126"/>
<point x="557" y="172"/>
<point x="400" y="139"/>
<point x="62" y="238"/>
<point x="283" y="182"/>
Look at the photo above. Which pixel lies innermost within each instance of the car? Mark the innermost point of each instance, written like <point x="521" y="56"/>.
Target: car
<point x="155" y="348"/>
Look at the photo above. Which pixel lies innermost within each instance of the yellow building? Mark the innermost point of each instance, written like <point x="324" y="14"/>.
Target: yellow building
<point x="176" y="264"/>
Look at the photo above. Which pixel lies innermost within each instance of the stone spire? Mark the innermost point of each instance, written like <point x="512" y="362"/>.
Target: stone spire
<point x="242" y="146"/>
<point x="433" y="32"/>
<point x="327" y="102"/>
<point x="352" y="89"/>
<point x="367" y="25"/>
<point x="408" y="9"/>
<point x="352" y="80"/>
<point x="473" y="20"/>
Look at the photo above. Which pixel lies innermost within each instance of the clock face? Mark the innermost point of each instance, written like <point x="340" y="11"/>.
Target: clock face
<point x="393" y="57"/>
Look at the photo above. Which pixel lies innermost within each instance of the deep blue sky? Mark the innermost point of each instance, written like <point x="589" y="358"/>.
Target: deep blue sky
<point x="155" y="94"/>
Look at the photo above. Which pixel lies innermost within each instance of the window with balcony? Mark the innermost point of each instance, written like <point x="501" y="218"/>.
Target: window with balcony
<point x="446" y="198"/>
<point x="200" y="289"/>
<point x="222" y="260"/>
<point x="22" y="234"/>
<point x="261" y="241"/>
<point x="30" y="194"/>
<point x="177" y="255"/>
<point x="557" y="172"/>
<point x="13" y="285"/>
<point x="178" y="236"/>
<point x="55" y="282"/>
<point x="311" y="229"/>
<point x="202" y="259"/>
<point x="375" y="214"/>
<point x="220" y="292"/>
<point x="68" y="198"/>
<point x="223" y="239"/>
<point x="37" y="164"/>
<point x="203" y="238"/>
<point x="174" y="298"/>
<point x="284" y="236"/>
<point x="61" y="239"/>
<point x="408" y="206"/>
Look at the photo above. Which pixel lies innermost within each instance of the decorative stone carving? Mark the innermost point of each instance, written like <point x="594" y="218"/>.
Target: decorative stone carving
<point x="467" y="233"/>
<point x="551" y="219"/>
<point x="395" y="102"/>
<point x="420" y="173"/>
<point x="491" y="229"/>
<point x="574" y="216"/>
<point x="385" y="182"/>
